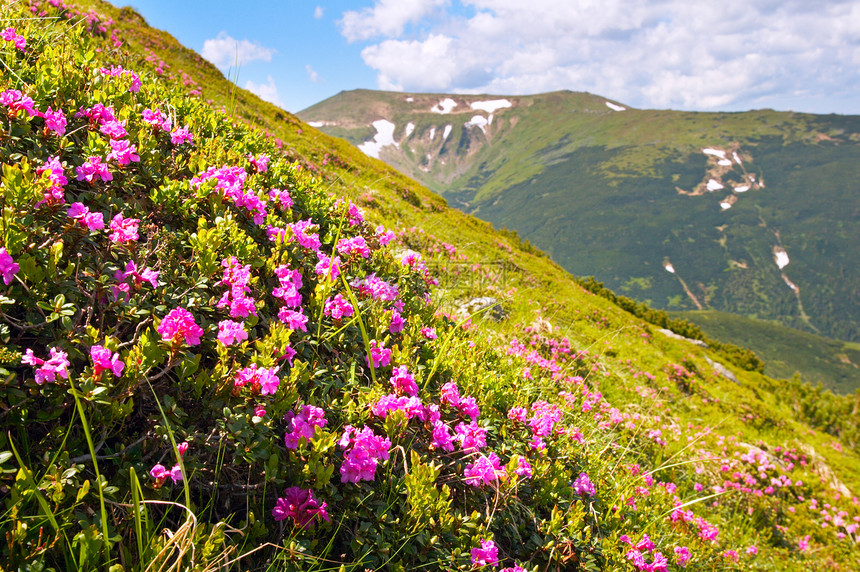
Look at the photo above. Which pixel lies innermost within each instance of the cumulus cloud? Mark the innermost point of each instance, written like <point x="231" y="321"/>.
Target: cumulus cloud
<point x="318" y="12"/>
<point x="312" y="74"/>
<point x="661" y="53"/>
<point x="225" y="51"/>
<point x="385" y="18"/>
<point x="267" y="91"/>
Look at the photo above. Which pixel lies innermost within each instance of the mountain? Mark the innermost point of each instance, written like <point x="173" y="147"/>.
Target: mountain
<point x="752" y="213"/>
<point x="230" y="341"/>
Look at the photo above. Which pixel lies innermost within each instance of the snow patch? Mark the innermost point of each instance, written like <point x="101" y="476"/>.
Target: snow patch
<point x="742" y="189"/>
<point x="669" y="268"/>
<point x="410" y="127"/>
<point x="320" y="123"/>
<point x="478" y="121"/>
<point x="432" y="133"/>
<point x="724" y="162"/>
<point x="780" y="256"/>
<point x="446" y="132"/>
<point x="714" y="185"/>
<point x="491" y="105"/>
<point x="715" y="152"/>
<point x="737" y="159"/>
<point x="444" y="106"/>
<point x="410" y="99"/>
<point x="614" y="107"/>
<point x="384" y="137"/>
<point x="725" y="206"/>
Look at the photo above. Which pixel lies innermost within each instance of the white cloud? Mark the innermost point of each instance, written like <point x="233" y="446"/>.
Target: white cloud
<point x="318" y="12"/>
<point x="660" y="53"/>
<point x="312" y="74"/>
<point x="224" y="51"/>
<point x="267" y="91"/>
<point x="385" y="18"/>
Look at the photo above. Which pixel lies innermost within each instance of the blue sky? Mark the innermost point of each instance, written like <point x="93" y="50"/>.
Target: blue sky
<point x="679" y="54"/>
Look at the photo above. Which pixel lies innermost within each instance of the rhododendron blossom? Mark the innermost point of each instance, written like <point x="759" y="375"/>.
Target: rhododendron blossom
<point x="88" y="220"/>
<point x="123" y="152"/>
<point x="582" y="485"/>
<point x="281" y="198"/>
<point x="178" y="326"/>
<point x="230" y="332"/>
<point x="349" y="246"/>
<point x="123" y="229"/>
<point x="303" y="425"/>
<point x="260" y="379"/>
<point x="486" y="555"/>
<point x="379" y="353"/>
<point x="181" y="135"/>
<point x="682" y="555"/>
<point x="260" y="162"/>
<point x="93" y="168"/>
<point x="145" y="275"/>
<point x="17" y="101"/>
<point x="103" y="360"/>
<point x="397" y="322"/>
<point x="56" y="365"/>
<point x="363" y="451"/>
<point x="295" y="320"/>
<point x="55" y="121"/>
<point x="403" y="381"/>
<point x="304" y="235"/>
<point x="471" y="437"/>
<point x="11" y="35"/>
<point x="160" y="473"/>
<point x="301" y="506"/>
<point x="338" y="307"/>
<point x="485" y="471"/>
<point x="327" y="267"/>
<point x="114" y="129"/>
<point x="8" y="267"/>
<point x="412" y="406"/>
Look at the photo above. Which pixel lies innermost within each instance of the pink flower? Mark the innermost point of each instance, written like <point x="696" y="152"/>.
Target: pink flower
<point x="524" y="468"/>
<point x="123" y="152"/>
<point x="429" y="333"/>
<point x="304" y="235"/>
<point x="300" y="505"/>
<point x="397" y="322"/>
<point x="114" y="129"/>
<point x="486" y="555"/>
<point x="450" y="394"/>
<point x="55" y="121"/>
<point x="303" y="425"/>
<point x="156" y="118"/>
<point x="179" y="325"/>
<point x="260" y="163"/>
<point x="582" y="485"/>
<point x="442" y="438"/>
<point x="53" y="170"/>
<point x="403" y="381"/>
<point x="363" y="452"/>
<point x="17" y="101"/>
<point x="282" y="198"/>
<point x="10" y="35"/>
<point x="160" y="473"/>
<point x="327" y="267"/>
<point x="349" y="246"/>
<point x="471" y="437"/>
<point x="104" y="360"/>
<point x="263" y="378"/>
<point x="752" y="550"/>
<point x="56" y="365"/>
<point x="181" y="135"/>
<point x="517" y="414"/>
<point x="682" y="556"/>
<point x="338" y="307"/>
<point x="295" y="320"/>
<point x="230" y="332"/>
<point x="379" y="353"/>
<point x="8" y="267"/>
<point x="146" y="275"/>
<point x="124" y="229"/>
<point x="803" y="543"/>
<point x="93" y="168"/>
<point x="87" y="219"/>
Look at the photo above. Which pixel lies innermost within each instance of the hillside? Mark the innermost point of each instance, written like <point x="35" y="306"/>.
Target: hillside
<point x="230" y="341"/>
<point x="750" y="213"/>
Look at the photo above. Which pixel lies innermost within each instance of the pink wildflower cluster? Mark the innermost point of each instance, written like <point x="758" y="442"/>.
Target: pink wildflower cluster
<point x="338" y="307"/>
<point x="303" y="425"/>
<point x="17" y="101"/>
<point x="450" y="395"/>
<point x="301" y="506"/>
<point x="11" y="35"/>
<point x="92" y="168"/>
<point x="327" y="266"/>
<point x="157" y="119"/>
<point x="403" y="381"/>
<point x="411" y="406"/>
<point x="230" y="183"/>
<point x="230" y="332"/>
<point x="259" y="379"/>
<point x="582" y="485"/>
<point x="8" y="267"/>
<point x="138" y="278"/>
<point x="356" y="217"/>
<point x="123" y="229"/>
<point x="56" y="365"/>
<point x="103" y="360"/>
<point x="178" y="326"/>
<point x="118" y="71"/>
<point x="486" y="555"/>
<point x="682" y="556"/>
<point x="82" y="215"/>
<point x="348" y="247"/>
<point x="182" y="135"/>
<point x="645" y="547"/>
<point x="471" y="437"/>
<point x="160" y="473"/>
<point x="544" y="417"/>
<point x="380" y="355"/>
<point x="485" y="471"/>
<point x="376" y="288"/>
<point x="304" y="232"/>
<point x="236" y="278"/>
<point x="260" y="162"/>
<point x="363" y="451"/>
<point x="52" y="169"/>
<point x="54" y="121"/>
<point x="105" y="120"/>
<point x="290" y="283"/>
<point x="122" y="152"/>
<point x="384" y="236"/>
<point x="281" y="198"/>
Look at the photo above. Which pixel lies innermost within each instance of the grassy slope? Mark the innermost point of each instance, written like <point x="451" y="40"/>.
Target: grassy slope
<point x="817" y="359"/>
<point x="597" y="190"/>
<point x="758" y="408"/>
